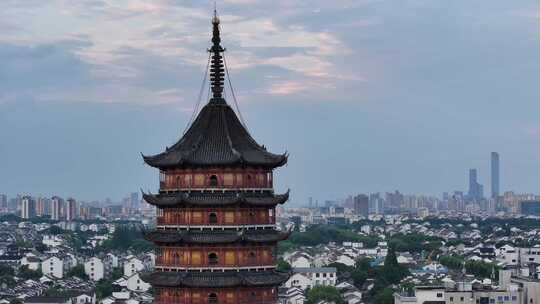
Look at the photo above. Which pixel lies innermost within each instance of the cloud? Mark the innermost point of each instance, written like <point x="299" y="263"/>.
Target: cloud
<point x="287" y="88"/>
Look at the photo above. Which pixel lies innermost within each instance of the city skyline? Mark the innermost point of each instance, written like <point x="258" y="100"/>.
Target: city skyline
<point x="76" y="105"/>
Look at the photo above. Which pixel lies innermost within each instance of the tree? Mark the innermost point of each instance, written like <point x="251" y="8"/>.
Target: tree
<point x="124" y="238"/>
<point x="452" y="262"/>
<point x="282" y="265"/>
<point x="6" y="270"/>
<point x="326" y="293"/>
<point x="390" y="273"/>
<point x="7" y="281"/>
<point x="359" y="277"/>
<point x="77" y="271"/>
<point x="482" y="269"/>
<point x="386" y="296"/>
<point x="16" y="301"/>
<point x="28" y="274"/>
<point x="103" y="288"/>
<point x="117" y="273"/>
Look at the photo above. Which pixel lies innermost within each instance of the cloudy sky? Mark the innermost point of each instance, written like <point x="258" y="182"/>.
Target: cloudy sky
<point x="365" y="95"/>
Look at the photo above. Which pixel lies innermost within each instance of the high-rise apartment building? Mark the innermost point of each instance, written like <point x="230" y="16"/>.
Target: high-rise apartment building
<point x="495" y="182"/>
<point x="28" y="208"/>
<point x="57" y="208"/>
<point x="361" y="205"/>
<point x="3" y="201"/>
<point x="71" y="209"/>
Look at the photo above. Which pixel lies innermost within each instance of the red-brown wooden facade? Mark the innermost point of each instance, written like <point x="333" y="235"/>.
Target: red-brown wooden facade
<point x="258" y="295"/>
<point x="221" y="216"/>
<point x="215" y="178"/>
<point x="217" y="256"/>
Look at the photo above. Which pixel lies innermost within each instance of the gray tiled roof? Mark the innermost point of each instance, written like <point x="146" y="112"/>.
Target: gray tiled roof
<point x="212" y="199"/>
<point x="216" y="138"/>
<point x="213" y="237"/>
<point x="215" y="279"/>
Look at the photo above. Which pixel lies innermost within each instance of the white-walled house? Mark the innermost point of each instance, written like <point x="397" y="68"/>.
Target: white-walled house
<point x="132" y="265"/>
<point x="33" y="262"/>
<point x="346" y="260"/>
<point x="298" y="280"/>
<point x="300" y="262"/>
<point x="134" y="283"/>
<point x="313" y="276"/>
<point x="53" y="267"/>
<point x="94" y="268"/>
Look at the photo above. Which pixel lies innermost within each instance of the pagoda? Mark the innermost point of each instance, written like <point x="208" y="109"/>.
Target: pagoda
<point x="216" y="231"/>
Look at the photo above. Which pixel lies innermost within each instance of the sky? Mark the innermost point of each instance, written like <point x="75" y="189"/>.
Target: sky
<point x="365" y="95"/>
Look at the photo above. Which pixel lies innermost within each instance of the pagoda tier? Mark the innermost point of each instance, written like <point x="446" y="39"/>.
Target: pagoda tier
<point x="217" y="198"/>
<point x="224" y="295"/>
<point x="216" y="257"/>
<point x="216" y="138"/>
<point x="215" y="237"/>
<point x="216" y="279"/>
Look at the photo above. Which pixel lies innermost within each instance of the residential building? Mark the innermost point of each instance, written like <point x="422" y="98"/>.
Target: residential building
<point x="361" y="205"/>
<point x="28" y="209"/>
<point x="94" y="268"/>
<point x="313" y="276"/>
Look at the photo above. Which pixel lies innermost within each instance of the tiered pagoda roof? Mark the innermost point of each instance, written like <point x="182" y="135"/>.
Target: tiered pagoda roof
<point x="215" y="237"/>
<point x="216" y="138"/>
<point x="216" y="279"/>
<point x="179" y="199"/>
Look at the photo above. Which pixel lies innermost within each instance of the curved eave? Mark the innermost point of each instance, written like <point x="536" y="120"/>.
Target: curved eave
<point x="182" y="199"/>
<point x="197" y="237"/>
<point x="215" y="279"/>
<point x="160" y="161"/>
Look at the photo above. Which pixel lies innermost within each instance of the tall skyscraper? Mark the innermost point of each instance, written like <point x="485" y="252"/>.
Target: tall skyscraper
<point x="28" y="208"/>
<point x="216" y="238"/>
<point x="495" y="182"/>
<point x="134" y="200"/>
<point x="56" y="212"/>
<point x="476" y="190"/>
<point x="361" y="205"/>
<point x="71" y="209"/>
<point x="3" y="201"/>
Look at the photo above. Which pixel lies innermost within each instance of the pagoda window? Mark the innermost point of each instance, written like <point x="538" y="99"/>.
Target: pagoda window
<point x="196" y="217"/>
<point x="213" y="258"/>
<point x="177" y="182"/>
<point x="212" y="218"/>
<point x="260" y="180"/>
<point x="228" y="179"/>
<point x="187" y="180"/>
<point x="252" y="257"/>
<point x="196" y="258"/>
<point x="248" y="181"/>
<point x="239" y="180"/>
<point x="229" y="217"/>
<point x="213" y="181"/>
<point x="229" y="258"/>
<point x="199" y="180"/>
<point x="212" y="298"/>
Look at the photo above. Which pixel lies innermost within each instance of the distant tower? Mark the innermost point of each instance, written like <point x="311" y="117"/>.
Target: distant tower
<point x="476" y="190"/>
<point x="56" y="212"/>
<point x="71" y="209"/>
<point x="495" y="182"/>
<point x="361" y="205"/>
<point x="28" y="209"/>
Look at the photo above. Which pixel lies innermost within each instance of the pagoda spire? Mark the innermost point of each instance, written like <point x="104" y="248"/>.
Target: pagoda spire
<point x="217" y="68"/>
